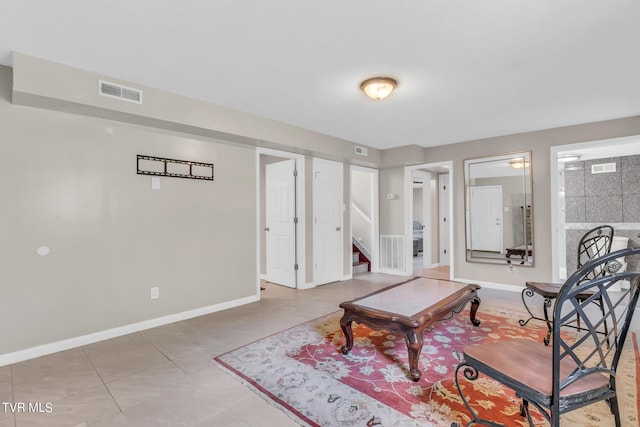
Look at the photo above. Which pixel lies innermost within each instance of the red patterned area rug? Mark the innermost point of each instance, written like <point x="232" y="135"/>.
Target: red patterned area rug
<point x="302" y="372"/>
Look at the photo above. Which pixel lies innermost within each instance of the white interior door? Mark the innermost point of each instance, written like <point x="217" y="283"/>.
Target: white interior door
<point x="280" y="227"/>
<point x="443" y="222"/>
<point x="327" y="221"/>
<point x="485" y="204"/>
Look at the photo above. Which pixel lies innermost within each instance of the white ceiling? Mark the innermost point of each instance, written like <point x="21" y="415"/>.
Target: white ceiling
<point x="466" y="69"/>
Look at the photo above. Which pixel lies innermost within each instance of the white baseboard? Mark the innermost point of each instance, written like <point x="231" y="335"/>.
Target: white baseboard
<point x="491" y="285"/>
<point x="263" y="277"/>
<point x="43" y="350"/>
<point x="395" y="272"/>
<point x="308" y="285"/>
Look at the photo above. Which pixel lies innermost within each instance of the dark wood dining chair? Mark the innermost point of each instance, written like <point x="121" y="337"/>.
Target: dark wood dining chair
<point x="593" y="244"/>
<point x="576" y="369"/>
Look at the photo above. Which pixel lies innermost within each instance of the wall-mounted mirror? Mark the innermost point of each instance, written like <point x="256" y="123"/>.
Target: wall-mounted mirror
<point x="499" y="209"/>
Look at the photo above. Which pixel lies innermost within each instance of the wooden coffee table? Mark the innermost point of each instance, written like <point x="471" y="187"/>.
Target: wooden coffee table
<point x="410" y="308"/>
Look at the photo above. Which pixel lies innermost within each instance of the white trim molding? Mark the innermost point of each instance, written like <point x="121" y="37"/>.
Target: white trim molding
<point x="43" y="350"/>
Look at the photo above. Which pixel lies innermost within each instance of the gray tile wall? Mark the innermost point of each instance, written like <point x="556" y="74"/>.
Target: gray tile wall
<point x="606" y="198"/>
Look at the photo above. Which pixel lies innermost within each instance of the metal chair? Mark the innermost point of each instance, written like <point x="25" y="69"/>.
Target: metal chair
<point x="593" y="244"/>
<point x="577" y="369"/>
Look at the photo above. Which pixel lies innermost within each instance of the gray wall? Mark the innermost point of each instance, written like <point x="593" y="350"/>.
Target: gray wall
<point x="539" y="143"/>
<point x="69" y="182"/>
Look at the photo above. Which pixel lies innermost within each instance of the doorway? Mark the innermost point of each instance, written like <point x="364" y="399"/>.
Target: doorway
<point x="364" y="219"/>
<point x="280" y="221"/>
<point x="433" y="227"/>
<point x="328" y="212"/>
<point x="571" y="164"/>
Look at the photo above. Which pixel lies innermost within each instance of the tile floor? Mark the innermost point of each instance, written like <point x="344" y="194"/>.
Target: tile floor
<point x="163" y="376"/>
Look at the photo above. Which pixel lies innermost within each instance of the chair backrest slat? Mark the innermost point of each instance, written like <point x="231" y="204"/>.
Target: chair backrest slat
<point x="605" y="317"/>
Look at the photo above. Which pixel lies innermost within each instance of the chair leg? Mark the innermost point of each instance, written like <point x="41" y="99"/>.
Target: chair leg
<point x="529" y="294"/>
<point x="615" y="410"/>
<point x="471" y="374"/>
<point x="524" y="412"/>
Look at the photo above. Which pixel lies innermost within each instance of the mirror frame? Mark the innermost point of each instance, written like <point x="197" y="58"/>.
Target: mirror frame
<point x="521" y="254"/>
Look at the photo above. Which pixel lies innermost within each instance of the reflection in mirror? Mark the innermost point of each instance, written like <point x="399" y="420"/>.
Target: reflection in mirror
<point x="499" y="209"/>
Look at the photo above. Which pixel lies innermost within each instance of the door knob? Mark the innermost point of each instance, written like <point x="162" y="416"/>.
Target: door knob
<point x="338" y="228"/>
<point x="266" y="229"/>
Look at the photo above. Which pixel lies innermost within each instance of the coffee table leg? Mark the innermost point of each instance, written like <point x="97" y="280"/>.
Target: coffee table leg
<point x="345" y="325"/>
<point x="414" y="345"/>
<point x="475" y="303"/>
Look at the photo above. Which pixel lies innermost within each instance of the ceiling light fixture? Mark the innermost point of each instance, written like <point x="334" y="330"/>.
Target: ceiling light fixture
<point x="568" y="158"/>
<point x="378" y="87"/>
<point x="518" y="163"/>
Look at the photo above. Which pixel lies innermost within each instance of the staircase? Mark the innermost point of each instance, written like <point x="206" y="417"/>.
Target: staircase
<point x="360" y="258"/>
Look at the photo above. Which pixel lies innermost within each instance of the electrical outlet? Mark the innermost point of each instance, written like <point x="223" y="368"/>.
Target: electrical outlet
<point x="154" y="292"/>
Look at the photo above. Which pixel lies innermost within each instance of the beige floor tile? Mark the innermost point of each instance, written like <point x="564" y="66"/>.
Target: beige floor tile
<point x="149" y="384"/>
<point x="224" y="418"/>
<point x="112" y="420"/>
<point x="53" y="364"/>
<point x="195" y="362"/>
<point x="172" y="340"/>
<point x="255" y="411"/>
<point x="185" y="408"/>
<point x="57" y="386"/>
<point x="122" y="356"/>
<point x="6" y="419"/>
<point x="77" y="410"/>
<point x="6" y="386"/>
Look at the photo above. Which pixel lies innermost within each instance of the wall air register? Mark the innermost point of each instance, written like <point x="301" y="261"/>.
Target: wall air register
<point x="160" y="166"/>
<point x="603" y="168"/>
<point x="361" y="150"/>
<point x="113" y="90"/>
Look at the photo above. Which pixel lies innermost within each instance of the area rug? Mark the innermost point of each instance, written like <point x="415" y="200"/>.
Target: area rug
<point x="302" y="372"/>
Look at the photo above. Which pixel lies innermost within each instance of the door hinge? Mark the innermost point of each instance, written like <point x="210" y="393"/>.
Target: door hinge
<point x="444" y="187"/>
<point x="444" y="219"/>
<point x="295" y="172"/>
<point x="295" y="267"/>
<point x="295" y="219"/>
<point x="444" y="251"/>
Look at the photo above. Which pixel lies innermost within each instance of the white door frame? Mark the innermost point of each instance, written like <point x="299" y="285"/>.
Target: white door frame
<point x="426" y="216"/>
<point x="408" y="210"/>
<point x="375" y="220"/>
<point x="300" y="212"/>
<point x="443" y="212"/>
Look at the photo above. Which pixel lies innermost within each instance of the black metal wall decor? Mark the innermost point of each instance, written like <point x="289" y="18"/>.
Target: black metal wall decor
<point x="160" y="166"/>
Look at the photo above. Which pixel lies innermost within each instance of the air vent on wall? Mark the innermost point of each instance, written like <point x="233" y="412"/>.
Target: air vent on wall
<point x="361" y="150"/>
<point x="603" y="168"/>
<point x="113" y="90"/>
